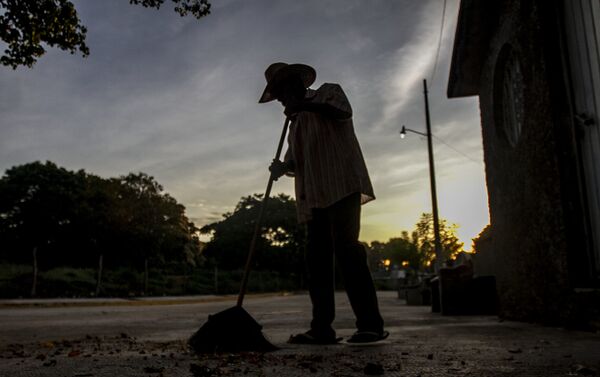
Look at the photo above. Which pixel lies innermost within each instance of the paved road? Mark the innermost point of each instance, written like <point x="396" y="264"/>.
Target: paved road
<point x="143" y="340"/>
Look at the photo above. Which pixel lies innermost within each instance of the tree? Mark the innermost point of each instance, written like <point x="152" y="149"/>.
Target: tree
<point x="416" y="250"/>
<point x="375" y="256"/>
<point x="98" y="219"/>
<point x="425" y="239"/>
<point x="156" y="224"/>
<point x="402" y="251"/>
<point x="280" y="247"/>
<point x="26" y="26"/>
<point x="63" y="218"/>
<point x="37" y="211"/>
<point x="482" y="239"/>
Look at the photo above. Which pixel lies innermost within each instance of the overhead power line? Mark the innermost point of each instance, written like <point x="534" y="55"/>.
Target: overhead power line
<point x="439" y="46"/>
<point x="457" y="151"/>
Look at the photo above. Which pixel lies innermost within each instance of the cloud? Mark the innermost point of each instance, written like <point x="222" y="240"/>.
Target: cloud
<point x="177" y="98"/>
<point x="410" y="64"/>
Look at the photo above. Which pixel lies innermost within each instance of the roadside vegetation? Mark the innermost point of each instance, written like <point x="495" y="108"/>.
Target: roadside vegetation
<point x="75" y="234"/>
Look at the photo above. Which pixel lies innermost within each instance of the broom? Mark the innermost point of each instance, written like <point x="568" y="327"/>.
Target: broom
<point x="234" y="329"/>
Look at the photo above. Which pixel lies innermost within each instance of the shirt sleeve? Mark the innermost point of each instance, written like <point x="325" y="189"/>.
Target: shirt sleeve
<point x="334" y="96"/>
<point x="291" y="163"/>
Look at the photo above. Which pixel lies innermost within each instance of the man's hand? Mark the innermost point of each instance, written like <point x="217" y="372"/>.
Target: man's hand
<point x="278" y="168"/>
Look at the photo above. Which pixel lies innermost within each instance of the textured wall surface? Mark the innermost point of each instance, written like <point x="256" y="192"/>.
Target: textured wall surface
<point x="524" y="178"/>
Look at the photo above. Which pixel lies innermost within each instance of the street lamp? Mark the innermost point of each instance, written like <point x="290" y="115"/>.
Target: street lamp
<point x="436" y="219"/>
<point x="405" y="130"/>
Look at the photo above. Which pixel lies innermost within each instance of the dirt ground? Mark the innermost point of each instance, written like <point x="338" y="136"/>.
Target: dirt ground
<point x="148" y="338"/>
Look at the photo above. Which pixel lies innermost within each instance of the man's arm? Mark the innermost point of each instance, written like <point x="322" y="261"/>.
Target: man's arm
<point x="325" y="109"/>
<point x="329" y="100"/>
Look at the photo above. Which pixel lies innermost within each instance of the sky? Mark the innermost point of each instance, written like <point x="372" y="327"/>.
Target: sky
<point x="177" y="98"/>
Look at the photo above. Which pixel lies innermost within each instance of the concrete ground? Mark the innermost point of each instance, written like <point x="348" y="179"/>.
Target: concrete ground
<point x="148" y="338"/>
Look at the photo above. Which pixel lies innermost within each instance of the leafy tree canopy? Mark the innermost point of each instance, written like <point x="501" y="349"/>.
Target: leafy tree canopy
<point x="281" y="242"/>
<point x="402" y="251"/>
<point x="27" y="25"/>
<point x="482" y="238"/>
<point x="425" y="239"/>
<point x="73" y="217"/>
<point x="417" y="249"/>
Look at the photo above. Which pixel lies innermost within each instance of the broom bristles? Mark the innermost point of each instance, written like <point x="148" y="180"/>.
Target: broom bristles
<point x="232" y="330"/>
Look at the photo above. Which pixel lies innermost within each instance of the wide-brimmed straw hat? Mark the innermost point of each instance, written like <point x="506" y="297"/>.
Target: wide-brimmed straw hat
<point x="277" y="73"/>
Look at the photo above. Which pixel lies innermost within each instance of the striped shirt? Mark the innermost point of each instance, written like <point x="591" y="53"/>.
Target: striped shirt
<point x="328" y="163"/>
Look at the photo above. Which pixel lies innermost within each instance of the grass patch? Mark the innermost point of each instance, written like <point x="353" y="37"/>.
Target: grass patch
<point x="16" y="281"/>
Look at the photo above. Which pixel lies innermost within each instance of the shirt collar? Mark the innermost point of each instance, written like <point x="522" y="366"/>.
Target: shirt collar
<point x="310" y="93"/>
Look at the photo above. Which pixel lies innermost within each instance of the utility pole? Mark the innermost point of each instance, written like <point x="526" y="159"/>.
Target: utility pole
<point x="434" y="205"/>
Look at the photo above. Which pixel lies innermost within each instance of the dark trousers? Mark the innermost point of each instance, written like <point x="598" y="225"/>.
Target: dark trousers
<point x="334" y="231"/>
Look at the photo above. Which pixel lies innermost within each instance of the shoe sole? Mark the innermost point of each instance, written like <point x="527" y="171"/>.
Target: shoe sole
<point x="379" y="339"/>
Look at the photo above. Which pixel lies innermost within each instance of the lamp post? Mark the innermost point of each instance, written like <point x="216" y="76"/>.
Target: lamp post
<point x="436" y="219"/>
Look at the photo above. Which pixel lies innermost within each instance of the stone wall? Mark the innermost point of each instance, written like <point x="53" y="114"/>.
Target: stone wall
<point x="525" y="171"/>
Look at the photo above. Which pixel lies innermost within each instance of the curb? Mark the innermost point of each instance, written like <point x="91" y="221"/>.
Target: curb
<point x="133" y="301"/>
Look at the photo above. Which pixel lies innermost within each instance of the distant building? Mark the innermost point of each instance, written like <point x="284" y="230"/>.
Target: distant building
<point x="535" y="66"/>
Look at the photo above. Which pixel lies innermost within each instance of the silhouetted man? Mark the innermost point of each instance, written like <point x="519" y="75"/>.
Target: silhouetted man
<point x="331" y="183"/>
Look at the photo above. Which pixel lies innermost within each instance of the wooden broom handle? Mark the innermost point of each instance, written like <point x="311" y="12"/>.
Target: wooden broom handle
<point x="259" y="220"/>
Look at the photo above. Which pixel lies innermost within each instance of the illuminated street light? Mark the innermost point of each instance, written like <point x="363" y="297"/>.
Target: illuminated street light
<point x="404" y="130"/>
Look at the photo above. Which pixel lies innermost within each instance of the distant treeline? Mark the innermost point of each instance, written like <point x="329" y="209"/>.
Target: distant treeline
<point x="72" y="233"/>
<point x="51" y="217"/>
